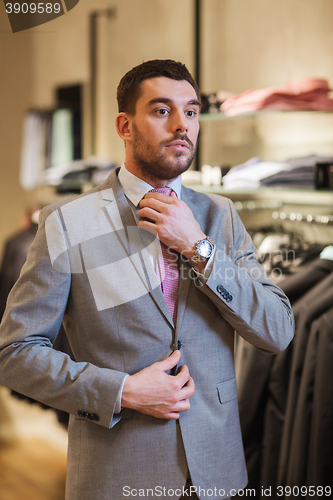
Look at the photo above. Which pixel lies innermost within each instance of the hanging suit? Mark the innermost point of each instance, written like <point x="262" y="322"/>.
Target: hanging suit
<point x="312" y="305"/>
<point x="263" y="382"/>
<point x="320" y="464"/>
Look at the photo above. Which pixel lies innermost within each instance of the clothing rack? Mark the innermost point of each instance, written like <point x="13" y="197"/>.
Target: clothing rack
<point x="298" y="217"/>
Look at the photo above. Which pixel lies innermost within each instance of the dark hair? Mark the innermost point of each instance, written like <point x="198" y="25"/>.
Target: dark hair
<point x="129" y="88"/>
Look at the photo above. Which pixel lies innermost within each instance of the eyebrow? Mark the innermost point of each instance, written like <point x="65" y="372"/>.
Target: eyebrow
<point x="166" y="100"/>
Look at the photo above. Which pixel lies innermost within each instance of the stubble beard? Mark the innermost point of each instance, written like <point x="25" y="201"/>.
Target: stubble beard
<point x="154" y="164"/>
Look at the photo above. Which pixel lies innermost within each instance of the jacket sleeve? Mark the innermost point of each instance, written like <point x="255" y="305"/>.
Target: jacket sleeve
<point x="239" y="287"/>
<point x="35" y="308"/>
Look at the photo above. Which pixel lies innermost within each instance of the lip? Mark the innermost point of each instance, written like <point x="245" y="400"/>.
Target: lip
<point x="178" y="145"/>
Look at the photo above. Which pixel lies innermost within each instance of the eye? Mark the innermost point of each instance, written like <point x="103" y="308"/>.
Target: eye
<point x="162" y="111"/>
<point x="191" y="113"/>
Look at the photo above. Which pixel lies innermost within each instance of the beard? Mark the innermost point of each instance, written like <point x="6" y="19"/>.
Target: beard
<point x="155" y="163"/>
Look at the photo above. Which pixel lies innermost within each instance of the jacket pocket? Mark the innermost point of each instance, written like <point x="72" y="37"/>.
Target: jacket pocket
<point x="227" y="391"/>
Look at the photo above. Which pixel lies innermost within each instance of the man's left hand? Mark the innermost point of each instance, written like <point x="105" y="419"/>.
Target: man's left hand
<point x="173" y="221"/>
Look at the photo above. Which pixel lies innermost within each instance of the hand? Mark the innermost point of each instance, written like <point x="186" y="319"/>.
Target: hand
<point x="153" y="392"/>
<point x="173" y="221"/>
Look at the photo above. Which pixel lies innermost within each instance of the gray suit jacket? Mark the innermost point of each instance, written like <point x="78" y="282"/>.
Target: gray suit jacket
<point x="89" y="268"/>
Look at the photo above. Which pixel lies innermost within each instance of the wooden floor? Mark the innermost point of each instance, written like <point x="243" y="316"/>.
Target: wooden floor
<point x="31" y="470"/>
<point x="32" y="451"/>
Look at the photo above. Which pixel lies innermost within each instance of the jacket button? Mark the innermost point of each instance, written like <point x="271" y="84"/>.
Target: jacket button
<point x="224" y="293"/>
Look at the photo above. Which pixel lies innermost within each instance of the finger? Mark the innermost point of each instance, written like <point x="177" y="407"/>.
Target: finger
<point x="183" y="405"/>
<point x="174" y="415"/>
<point x="160" y="196"/>
<point x="145" y="202"/>
<point x="182" y="376"/>
<point x="190" y="383"/>
<point x="150" y="213"/>
<point x="169" y="362"/>
<point x="148" y="226"/>
<point x="187" y="391"/>
<point x="157" y="205"/>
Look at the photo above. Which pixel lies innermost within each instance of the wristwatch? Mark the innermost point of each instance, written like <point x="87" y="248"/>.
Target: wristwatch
<point x="203" y="250"/>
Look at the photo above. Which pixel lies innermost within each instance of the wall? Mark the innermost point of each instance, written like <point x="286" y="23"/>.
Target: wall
<point x="260" y="43"/>
<point x="15" y="95"/>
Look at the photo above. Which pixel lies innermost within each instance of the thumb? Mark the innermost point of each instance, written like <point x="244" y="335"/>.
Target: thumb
<point x="170" y="362"/>
<point x="173" y="195"/>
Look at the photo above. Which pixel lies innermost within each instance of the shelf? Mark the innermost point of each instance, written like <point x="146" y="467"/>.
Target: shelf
<point x="264" y="206"/>
<point x="273" y="197"/>
<point x="208" y="117"/>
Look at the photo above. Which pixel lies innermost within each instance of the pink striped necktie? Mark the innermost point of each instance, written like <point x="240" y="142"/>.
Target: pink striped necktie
<point x="167" y="266"/>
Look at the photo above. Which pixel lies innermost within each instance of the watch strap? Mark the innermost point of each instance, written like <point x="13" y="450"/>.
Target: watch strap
<point x="197" y="257"/>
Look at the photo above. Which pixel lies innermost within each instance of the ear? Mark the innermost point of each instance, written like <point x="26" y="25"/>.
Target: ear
<point x="123" y="126"/>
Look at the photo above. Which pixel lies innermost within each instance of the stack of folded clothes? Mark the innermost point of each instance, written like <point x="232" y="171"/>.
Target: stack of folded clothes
<point x="298" y="94"/>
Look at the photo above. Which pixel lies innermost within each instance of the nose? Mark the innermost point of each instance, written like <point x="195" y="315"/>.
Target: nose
<point x="180" y="122"/>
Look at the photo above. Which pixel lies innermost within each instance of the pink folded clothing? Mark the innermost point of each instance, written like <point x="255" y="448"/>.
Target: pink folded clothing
<point x="298" y="94"/>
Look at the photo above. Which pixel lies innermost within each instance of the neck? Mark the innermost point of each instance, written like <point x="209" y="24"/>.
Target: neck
<point x="153" y="181"/>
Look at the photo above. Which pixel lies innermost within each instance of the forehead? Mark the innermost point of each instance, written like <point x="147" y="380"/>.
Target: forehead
<point x="178" y="91"/>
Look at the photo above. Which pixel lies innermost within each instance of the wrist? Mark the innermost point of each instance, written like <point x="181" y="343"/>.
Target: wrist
<point x="189" y="250"/>
<point x="126" y="399"/>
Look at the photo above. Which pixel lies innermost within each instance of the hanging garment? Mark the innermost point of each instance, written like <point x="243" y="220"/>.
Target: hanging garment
<point x="295" y="286"/>
<point x="320" y="453"/>
<point x="263" y="382"/>
<point x="14" y="257"/>
<point x="312" y="305"/>
<point x="15" y="253"/>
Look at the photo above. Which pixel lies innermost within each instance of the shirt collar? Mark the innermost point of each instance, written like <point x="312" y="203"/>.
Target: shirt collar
<point x="135" y="189"/>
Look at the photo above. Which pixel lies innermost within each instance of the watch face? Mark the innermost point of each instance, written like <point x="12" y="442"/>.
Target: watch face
<point x="205" y="248"/>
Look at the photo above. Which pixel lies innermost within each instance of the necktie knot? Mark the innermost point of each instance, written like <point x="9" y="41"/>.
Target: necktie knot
<point x="163" y="190"/>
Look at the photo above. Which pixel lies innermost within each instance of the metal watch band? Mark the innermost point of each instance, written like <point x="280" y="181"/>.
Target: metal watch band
<point x="197" y="257"/>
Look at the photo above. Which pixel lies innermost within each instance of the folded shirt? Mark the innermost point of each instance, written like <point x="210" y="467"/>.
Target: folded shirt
<point x="250" y="174"/>
<point x="294" y="172"/>
<point x="298" y="94"/>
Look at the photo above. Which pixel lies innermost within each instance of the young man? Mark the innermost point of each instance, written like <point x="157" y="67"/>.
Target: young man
<point x="152" y="394"/>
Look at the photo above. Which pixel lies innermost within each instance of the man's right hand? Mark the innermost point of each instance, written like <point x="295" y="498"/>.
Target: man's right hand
<point x="155" y="393"/>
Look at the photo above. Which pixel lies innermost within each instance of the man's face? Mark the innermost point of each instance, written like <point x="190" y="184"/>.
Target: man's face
<point x="164" y="128"/>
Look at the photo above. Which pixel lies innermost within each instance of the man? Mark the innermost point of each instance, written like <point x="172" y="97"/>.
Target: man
<point x="152" y="394"/>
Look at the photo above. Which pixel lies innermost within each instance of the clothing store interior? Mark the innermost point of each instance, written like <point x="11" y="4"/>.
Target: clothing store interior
<point x="265" y="71"/>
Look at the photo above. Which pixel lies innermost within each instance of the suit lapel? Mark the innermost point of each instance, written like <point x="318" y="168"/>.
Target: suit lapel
<point x="115" y="203"/>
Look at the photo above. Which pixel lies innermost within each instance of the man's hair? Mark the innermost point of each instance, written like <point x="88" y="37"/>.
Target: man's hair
<point x="130" y="86"/>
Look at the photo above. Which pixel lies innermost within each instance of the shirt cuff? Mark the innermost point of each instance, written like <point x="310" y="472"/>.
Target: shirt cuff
<point x="117" y="408"/>
<point x="203" y="277"/>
